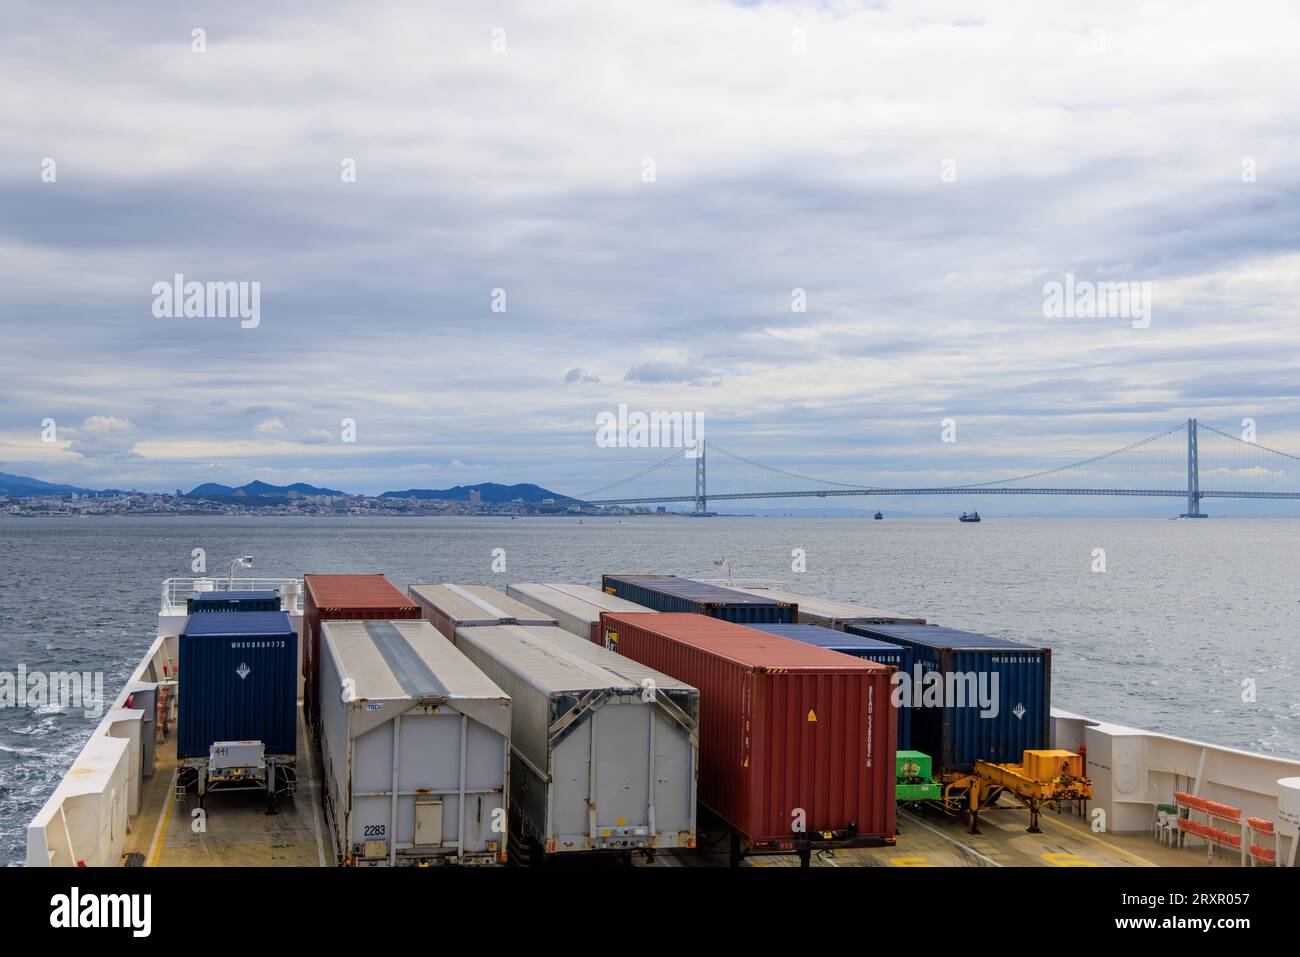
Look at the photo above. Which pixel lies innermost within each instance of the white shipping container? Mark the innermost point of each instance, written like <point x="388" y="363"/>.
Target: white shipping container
<point x="450" y="607"/>
<point x="604" y="751"/>
<point x="415" y="742"/>
<point x="577" y="608"/>
<point x="833" y="614"/>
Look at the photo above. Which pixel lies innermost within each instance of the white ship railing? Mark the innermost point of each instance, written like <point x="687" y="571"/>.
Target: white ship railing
<point x="88" y="817"/>
<point x="1134" y="772"/>
<point x="176" y="591"/>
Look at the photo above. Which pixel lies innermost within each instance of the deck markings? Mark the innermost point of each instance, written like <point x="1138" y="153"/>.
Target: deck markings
<point x="951" y="840"/>
<point x="909" y="862"/>
<point x="315" y="803"/>
<point x="160" y="832"/>
<point x="1066" y="859"/>
<point x="1142" y="861"/>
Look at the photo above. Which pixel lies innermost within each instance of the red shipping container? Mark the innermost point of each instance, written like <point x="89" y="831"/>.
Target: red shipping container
<point x="343" y="598"/>
<point x="784" y="726"/>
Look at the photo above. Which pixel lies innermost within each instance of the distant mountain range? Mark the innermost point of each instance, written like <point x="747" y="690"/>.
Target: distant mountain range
<point x="17" y="485"/>
<point x="255" y="493"/>
<point x="258" y="490"/>
<point x="490" y="492"/>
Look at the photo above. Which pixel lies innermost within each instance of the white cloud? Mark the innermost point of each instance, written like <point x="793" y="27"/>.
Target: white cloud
<point x="103" y="437"/>
<point x="522" y="171"/>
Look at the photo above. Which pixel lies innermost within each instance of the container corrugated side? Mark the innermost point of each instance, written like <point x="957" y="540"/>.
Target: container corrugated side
<point x="996" y="701"/>
<point x="450" y="606"/>
<point x="889" y="653"/>
<point x="343" y="598"/>
<point x="581" y="720"/>
<point x="233" y="601"/>
<point x="670" y="593"/>
<point x="399" y="686"/>
<point x="237" y="682"/>
<point x="576" y="608"/>
<point x="784" y="728"/>
<point x="835" y="614"/>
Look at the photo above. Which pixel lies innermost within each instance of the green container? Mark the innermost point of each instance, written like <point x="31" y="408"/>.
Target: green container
<point x="913" y="767"/>
<point x="918" y="792"/>
<point x="913" y="781"/>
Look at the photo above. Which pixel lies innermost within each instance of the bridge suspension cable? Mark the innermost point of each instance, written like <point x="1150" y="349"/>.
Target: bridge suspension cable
<point x="1168" y="464"/>
<point x="585" y="496"/>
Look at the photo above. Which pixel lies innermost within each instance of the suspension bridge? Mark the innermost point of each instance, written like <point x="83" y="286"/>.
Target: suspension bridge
<point x="1190" y="460"/>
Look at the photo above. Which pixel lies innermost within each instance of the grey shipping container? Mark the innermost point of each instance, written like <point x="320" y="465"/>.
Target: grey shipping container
<point x="829" y="613"/>
<point x="576" y="608"/>
<point x="670" y="593"/>
<point x="603" y="749"/>
<point x="974" y="697"/>
<point x="858" y="646"/>
<point x="237" y="682"/>
<point x="450" y="607"/>
<point x="415" y="743"/>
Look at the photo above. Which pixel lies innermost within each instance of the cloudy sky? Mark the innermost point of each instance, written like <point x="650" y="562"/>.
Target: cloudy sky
<point x="648" y="183"/>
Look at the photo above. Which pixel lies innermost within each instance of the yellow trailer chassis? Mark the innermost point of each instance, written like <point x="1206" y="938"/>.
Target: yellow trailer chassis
<point x="985" y="785"/>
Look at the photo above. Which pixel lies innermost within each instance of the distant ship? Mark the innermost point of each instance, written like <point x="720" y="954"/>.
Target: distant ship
<point x="969" y="517"/>
<point x="879" y="516"/>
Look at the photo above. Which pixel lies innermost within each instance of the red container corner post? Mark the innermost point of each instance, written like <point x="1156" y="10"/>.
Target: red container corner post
<point x="785" y="727"/>
<point x="343" y="598"/>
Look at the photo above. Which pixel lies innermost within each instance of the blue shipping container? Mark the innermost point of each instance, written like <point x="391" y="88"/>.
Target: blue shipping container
<point x="205" y="601"/>
<point x="238" y="682"/>
<point x="991" y="701"/>
<point x="670" y="593"/>
<point x="859" y="646"/>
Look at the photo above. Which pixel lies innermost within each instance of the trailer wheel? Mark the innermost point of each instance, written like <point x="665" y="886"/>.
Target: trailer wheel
<point x="735" y="849"/>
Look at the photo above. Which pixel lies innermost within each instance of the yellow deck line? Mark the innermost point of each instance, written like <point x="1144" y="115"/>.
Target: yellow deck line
<point x="1093" y="837"/>
<point x="160" y="833"/>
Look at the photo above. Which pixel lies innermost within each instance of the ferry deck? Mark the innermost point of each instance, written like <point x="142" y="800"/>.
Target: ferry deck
<point x="87" y="821"/>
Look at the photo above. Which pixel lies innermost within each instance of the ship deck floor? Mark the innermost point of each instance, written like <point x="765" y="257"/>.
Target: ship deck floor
<point x="239" y="833"/>
<point x="929" y="838"/>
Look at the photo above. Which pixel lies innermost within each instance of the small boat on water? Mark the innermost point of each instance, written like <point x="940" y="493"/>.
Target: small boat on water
<point x="969" y="517"/>
<point x="879" y="515"/>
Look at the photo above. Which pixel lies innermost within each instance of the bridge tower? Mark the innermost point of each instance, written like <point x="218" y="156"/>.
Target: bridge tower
<point x="1193" y="475"/>
<point x="701" y="491"/>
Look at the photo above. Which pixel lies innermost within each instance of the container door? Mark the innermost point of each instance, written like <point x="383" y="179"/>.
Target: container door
<point x="622" y="729"/>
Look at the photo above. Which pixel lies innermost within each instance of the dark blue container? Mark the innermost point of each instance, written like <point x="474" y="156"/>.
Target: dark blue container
<point x="204" y="601"/>
<point x="859" y="646"/>
<point x="670" y="593"/>
<point x="958" y="731"/>
<point x="238" y="682"/>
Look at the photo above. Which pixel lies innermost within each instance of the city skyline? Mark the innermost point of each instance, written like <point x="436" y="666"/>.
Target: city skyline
<point x="823" y="230"/>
